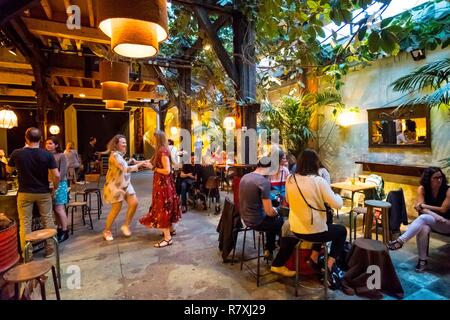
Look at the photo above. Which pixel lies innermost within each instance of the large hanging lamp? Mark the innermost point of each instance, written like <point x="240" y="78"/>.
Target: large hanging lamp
<point x="115" y="105"/>
<point x="114" y="78"/>
<point x="136" y="27"/>
<point x="8" y="118"/>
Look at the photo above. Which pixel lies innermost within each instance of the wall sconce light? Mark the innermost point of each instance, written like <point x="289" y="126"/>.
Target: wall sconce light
<point x="417" y="54"/>
<point x="229" y="123"/>
<point x="173" y="131"/>
<point x="54" y="129"/>
<point x="8" y="118"/>
<point x="346" y="118"/>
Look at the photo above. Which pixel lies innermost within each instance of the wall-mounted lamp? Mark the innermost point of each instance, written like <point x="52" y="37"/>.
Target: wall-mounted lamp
<point x="8" y="118"/>
<point x="54" y="129"/>
<point x="229" y="123"/>
<point x="173" y="131"/>
<point x="346" y="118"/>
<point x="417" y="54"/>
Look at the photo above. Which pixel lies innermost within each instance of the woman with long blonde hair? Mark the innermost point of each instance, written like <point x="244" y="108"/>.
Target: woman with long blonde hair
<point x="118" y="185"/>
<point x="165" y="208"/>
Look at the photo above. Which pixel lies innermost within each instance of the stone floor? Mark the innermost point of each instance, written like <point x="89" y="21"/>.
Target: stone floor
<point x="192" y="268"/>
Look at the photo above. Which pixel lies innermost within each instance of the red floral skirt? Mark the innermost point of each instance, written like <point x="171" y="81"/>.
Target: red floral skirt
<point x="165" y="208"/>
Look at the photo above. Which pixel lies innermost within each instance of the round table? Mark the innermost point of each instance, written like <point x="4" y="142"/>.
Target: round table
<point x="367" y="260"/>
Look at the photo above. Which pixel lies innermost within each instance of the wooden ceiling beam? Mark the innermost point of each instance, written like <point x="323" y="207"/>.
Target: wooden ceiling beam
<point x="58" y="29"/>
<point x="91" y="13"/>
<point x="73" y="73"/>
<point x="8" y="77"/>
<point x="97" y="93"/>
<point x="47" y="8"/>
<point x="16" y="92"/>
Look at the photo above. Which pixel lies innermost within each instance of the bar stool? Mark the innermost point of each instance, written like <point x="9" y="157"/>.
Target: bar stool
<point x="258" y="275"/>
<point x="325" y="278"/>
<point x="84" y="208"/>
<point x="91" y="187"/>
<point x="368" y="218"/>
<point x="242" y="229"/>
<point x="32" y="271"/>
<point x="41" y="236"/>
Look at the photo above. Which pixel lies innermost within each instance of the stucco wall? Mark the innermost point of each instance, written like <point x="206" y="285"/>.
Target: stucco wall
<point x="369" y="89"/>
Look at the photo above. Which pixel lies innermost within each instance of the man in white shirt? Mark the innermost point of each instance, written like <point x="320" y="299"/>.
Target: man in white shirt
<point x="173" y="154"/>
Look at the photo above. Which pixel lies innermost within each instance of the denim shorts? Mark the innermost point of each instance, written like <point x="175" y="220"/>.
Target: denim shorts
<point x="60" y="196"/>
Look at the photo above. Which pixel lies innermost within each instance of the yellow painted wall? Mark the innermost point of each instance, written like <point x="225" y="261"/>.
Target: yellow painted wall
<point x="150" y="125"/>
<point x="3" y="141"/>
<point x="70" y="126"/>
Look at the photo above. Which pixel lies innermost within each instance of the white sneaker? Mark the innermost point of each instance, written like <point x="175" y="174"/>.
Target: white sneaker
<point x="125" y="230"/>
<point x="107" y="235"/>
<point x="285" y="272"/>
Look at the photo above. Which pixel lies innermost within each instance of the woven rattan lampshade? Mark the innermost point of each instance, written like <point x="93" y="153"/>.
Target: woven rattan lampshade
<point x="136" y="27"/>
<point x="114" y="78"/>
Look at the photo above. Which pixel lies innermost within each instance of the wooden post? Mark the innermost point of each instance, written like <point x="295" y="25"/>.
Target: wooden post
<point x="245" y="70"/>
<point x="163" y="107"/>
<point x="139" y="130"/>
<point x="184" y="81"/>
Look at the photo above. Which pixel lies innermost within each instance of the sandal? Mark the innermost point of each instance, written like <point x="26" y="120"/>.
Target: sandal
<point x="173" y="232"/>
<point x="163" y="243"/>
<point x="395" y="245"/>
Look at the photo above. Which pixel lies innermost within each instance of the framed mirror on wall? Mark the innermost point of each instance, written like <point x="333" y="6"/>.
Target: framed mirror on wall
<point x="405" y="127"/>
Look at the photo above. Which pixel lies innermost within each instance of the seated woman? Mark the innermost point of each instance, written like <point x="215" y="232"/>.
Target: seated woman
<point x="433" y="206"/>
<point x="307" y="193"/>
<point x="278" y="181"/>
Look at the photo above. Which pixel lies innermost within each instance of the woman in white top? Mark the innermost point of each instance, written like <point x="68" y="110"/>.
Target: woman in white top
<point x="118" y="186"/>
<point x="306" y="189"/>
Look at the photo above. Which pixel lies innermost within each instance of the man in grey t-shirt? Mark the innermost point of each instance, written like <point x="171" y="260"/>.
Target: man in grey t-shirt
<point x="255" y="206"/>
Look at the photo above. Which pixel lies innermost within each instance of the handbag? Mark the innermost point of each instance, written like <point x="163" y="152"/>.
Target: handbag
<point x="328" y="210"/>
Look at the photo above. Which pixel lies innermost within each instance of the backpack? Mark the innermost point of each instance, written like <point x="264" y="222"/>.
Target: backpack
<point x="378" y="181"/>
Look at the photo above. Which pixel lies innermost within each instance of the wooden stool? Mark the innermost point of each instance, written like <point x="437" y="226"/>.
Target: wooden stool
<point x="368" y="218"/>
<point x="41" y="236"/>
<point x="84" y="208"/>
<point x="32" y="271"/>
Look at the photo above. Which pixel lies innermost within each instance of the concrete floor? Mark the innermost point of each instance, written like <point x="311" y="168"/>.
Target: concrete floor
<point x="192" y="268"/>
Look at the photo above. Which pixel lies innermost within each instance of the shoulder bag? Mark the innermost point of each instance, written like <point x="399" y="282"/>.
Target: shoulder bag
<point x="329" y="211"/>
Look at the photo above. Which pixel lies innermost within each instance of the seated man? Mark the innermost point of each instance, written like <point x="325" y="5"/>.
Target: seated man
<point x="255" y="206"/>
<point x="188" y="178"/>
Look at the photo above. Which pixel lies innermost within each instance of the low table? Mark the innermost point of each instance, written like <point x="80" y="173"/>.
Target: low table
<point x="364" y="260"/>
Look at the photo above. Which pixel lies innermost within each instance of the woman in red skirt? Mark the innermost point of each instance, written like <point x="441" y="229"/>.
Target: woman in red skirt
<point x="165" y="208"/>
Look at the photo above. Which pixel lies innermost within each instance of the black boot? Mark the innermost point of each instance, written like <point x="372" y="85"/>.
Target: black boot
<point x="59" y="233"/>
<point x="64" y="236"/>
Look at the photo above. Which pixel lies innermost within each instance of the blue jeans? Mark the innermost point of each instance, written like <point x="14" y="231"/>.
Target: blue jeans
<point x="186" y="185"/>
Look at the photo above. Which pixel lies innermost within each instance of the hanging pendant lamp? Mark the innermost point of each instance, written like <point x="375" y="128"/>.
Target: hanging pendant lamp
<point x="114" y="78"/>
<point x="8" y="118"/>
<point x="136" y="28"/>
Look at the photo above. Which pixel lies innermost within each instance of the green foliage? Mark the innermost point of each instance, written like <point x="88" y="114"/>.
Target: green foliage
<point x="434" y="76"/>
<point x="293" y="117"/>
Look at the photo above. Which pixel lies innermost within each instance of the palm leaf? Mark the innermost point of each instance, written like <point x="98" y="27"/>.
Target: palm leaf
<point x="431" y="75"/>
